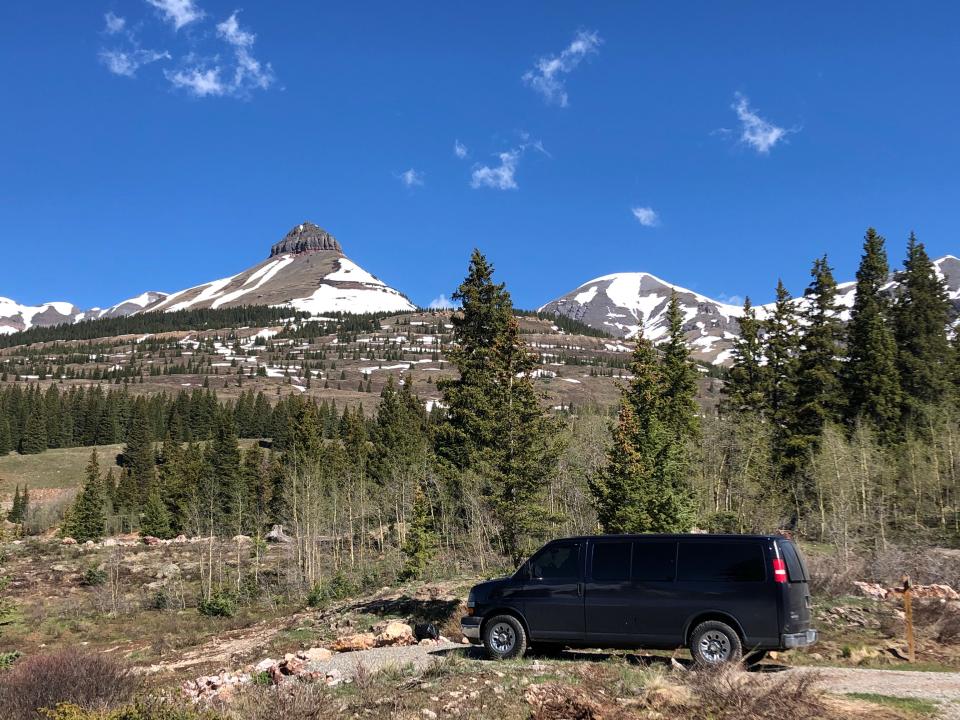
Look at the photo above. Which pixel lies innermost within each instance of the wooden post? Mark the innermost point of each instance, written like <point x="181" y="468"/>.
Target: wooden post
<point x="908" y="617"/>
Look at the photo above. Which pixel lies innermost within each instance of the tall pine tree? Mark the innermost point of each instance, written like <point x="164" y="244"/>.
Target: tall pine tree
<point x="643" y="485"/>
<point x="87" y="518"/>
<point x="870" y="377"/>
<point x="495" y="428"/>
<point x="920" y="317"/>
<point x="745" y="389"/>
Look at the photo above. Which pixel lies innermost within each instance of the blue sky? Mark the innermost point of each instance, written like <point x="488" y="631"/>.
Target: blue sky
<point x="157" y="144"/>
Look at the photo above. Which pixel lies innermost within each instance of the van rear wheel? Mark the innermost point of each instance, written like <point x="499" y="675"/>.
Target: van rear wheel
<point x="715" y="643"/>
<point x="504" y="637"/>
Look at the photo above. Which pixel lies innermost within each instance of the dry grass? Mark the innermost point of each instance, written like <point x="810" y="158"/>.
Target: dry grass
<point x="88" y="680"/>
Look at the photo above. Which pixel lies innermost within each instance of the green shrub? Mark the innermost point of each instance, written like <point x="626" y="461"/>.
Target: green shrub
<point x="220" y="604"/>
<point x="93" y="577"/>
<point x="337" y="588"/>
<point x="9" y="658"/>
<point x="161" y="600"/>
<point x="147" y="710"/>
<point x="723" y="523"/>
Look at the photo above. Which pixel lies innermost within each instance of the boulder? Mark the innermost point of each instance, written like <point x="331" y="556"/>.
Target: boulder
<point x="315" y="655"/>
<point x="68" y="541"/>
<point x="873" y="590"/>
<point x="167" y="571"/>
<point x="937" y="591"/>
<point x="241" y="539"/>
<point x="110" y="542"/>
<point x="151" y="540"/>
<point x="352" y="643"/>
<point x="394" y="632"/>
<point x="264" y="665"/>
<point x="277" y="535"/>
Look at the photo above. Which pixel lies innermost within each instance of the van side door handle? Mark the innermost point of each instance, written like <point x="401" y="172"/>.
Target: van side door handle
<point x="580" y="589"/>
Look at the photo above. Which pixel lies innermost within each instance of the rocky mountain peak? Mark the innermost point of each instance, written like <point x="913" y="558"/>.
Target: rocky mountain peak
<point x="306" y="237"/>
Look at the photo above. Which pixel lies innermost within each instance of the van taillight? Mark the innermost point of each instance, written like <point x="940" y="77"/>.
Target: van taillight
<point x="779" y="570"/>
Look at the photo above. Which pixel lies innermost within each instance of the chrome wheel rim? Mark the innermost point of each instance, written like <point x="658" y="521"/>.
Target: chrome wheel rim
<point x="714" y="647"/>
<point x="502" y="638"/>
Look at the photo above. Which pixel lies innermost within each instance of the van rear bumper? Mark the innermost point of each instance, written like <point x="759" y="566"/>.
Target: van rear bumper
<point x="801" y="639"/>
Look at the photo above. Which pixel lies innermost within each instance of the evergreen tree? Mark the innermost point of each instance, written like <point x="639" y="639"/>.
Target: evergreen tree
<point x="155" y="519"/>
<point x="421" y="541"/>
<point x="6" y="443"/>
<point x="870" y="378"/>
<point x="818" y="400"/>
<point x="745" y="389"/>
<point x="643" y="485"/>
<point x="920" y="315"/>
<point x="780" y="331"/>
<point x="139" y="459"/>
<point x="34" y="438"/>
<point x="680" y="412"/>
<point x="495" y="426"/>
<point x="87" y="518"/>
<point x="224" y="459"/>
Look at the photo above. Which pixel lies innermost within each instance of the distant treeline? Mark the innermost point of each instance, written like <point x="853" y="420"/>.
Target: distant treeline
<point x="155" y="322"/>
<point x="568" y="325"/>
<point x="33" y="420"/>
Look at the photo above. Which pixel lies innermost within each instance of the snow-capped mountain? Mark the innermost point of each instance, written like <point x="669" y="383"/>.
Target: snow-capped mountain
<point x="15" y="317"/>
<point x="625" y="303"/>
<point x="306" y="270"/>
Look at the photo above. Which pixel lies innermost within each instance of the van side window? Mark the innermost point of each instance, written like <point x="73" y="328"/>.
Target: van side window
<point x="654" y="561"/>
<point x="557" y="562"/>
<point x="611" y="561"/>
<point x="721" y="562"/>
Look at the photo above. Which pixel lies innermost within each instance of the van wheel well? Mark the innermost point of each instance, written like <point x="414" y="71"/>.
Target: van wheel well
<point x="719" y="617"/>
<point x="504" y="611"/>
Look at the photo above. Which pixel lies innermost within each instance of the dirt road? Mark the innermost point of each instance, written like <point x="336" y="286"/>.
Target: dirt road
<point x="940" y="687"/>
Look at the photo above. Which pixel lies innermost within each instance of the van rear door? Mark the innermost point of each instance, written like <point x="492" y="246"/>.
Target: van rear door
<point x="796" y="606"/>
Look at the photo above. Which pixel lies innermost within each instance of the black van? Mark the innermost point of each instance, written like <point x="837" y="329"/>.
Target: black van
<point x="722" y="596"/>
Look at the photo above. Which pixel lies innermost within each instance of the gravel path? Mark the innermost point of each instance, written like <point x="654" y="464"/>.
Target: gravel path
<point x="420" y="656"/>
<point x="941" y="687"/>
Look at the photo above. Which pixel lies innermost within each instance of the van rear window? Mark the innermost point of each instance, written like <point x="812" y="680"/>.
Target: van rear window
<point x="720" y="562"/>
<point x="796" y="570"/>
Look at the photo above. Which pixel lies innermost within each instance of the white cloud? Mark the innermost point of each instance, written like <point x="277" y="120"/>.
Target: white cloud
<point x="114" y="23"/>
<point x="126" y="63"/>
<point x="178" y="12"/>
<point x="411" y="178"/>
<point x="197" y="82"/>
<point x="731" y="299"/>
<point x="756" y="132"/>
<point x="500" y="177"/>
<point x="441" y="303"/>
<point x="230" y="31"/>
<point x="547" y="76"/>
<point x="459" y="149"/>
<point x="215" y="81"/>
<point x="646" y="216"/>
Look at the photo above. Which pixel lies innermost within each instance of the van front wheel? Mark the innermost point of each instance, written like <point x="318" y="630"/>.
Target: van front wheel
<point x="715" y="643"/>
<point x="504" y="637"/>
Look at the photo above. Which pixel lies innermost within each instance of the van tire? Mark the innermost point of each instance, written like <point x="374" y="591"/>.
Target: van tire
<point x="714" y="643"/>
<point x="504" y="637"/>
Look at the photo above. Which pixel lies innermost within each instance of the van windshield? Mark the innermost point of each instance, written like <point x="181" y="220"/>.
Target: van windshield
<point x="796" y="568"/>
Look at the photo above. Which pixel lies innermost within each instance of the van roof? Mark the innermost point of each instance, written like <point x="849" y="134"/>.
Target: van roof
<point x="675" y="536"/>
